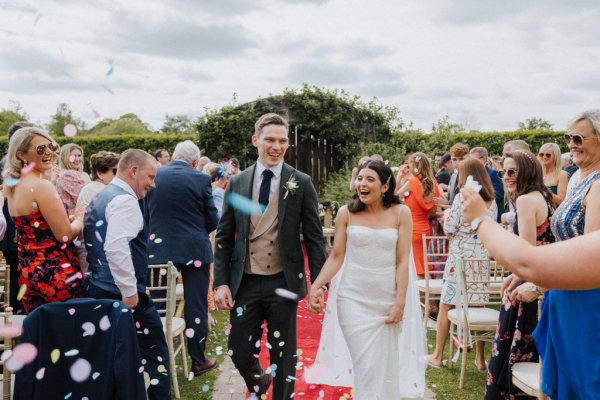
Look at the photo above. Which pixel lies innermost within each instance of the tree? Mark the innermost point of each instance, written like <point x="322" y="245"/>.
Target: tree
<point x="441" y="132"/>
<point x="535" y="124"/>
<point x="62" y="117"/>
<point x="175" y="124"/>
<point x="126" y="124"/>
<point x="10" y="116"/>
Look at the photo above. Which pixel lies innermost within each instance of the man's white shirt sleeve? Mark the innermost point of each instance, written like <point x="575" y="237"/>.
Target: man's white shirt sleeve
<point x="124" y="222"/>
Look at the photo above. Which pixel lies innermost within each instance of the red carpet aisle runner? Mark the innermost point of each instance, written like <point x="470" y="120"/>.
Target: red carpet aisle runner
<point x="309" y="333"/>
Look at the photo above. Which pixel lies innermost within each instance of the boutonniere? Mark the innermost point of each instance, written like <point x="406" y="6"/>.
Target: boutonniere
<point x="290" y="186"/>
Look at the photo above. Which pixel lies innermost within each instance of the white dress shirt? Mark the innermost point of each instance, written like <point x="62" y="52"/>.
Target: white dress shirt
<point x="124" y="221"/>
<point x="274" y="180"/>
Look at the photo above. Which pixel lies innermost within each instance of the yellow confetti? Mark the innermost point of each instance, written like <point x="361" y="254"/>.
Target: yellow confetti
<point x="163" y="271"/>
<point x="276" y="334"/>
<point x="22" y="291"/>
<point x="161" y="368"/>
<point x="55" y="355"/>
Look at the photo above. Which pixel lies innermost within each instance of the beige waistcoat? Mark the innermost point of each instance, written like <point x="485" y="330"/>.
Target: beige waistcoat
<point x="263" y="247"/>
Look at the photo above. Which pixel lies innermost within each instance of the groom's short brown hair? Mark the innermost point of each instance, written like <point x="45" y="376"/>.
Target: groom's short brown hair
<point x="269" y="119"/>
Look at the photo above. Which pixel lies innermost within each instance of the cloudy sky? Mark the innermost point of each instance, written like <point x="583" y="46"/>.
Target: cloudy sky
<point x="488" y="64"/>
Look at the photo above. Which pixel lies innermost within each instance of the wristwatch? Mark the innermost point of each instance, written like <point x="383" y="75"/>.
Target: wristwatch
<point x="475" y="223"/>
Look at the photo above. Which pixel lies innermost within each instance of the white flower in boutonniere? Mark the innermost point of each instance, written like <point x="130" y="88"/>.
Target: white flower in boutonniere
<point x="290" y="186"/>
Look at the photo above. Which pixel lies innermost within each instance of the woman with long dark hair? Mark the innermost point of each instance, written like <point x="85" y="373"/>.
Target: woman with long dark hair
<point x="373" y="311"/>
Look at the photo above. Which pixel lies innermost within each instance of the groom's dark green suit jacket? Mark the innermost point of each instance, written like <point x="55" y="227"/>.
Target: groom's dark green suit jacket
<point x="297" y="212"/>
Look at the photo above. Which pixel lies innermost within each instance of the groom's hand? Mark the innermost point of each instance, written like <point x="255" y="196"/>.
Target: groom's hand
<point x="223" y="298"/>
<point x="316" y="301"/>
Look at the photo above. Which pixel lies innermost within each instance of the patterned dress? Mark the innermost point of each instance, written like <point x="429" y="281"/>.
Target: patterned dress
<point x="49" y="269"/>
<point x="567" y="334"/>
<point x="463" y="243"/>
<point x="513" y="341"/>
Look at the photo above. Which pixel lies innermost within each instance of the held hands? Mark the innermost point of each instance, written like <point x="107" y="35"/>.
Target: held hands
<point x="473" y="204"/>
<point x="223" y="298"/>
<point x="526" y="293"/>
<point x="316" y="300"/>
<point x="395" y="314"/>
<point x="509" y="285"/>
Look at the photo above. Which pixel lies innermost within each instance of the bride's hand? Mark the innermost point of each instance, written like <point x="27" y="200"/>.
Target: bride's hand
<point x="316" y="301"/>
<point x="395" y="314"/>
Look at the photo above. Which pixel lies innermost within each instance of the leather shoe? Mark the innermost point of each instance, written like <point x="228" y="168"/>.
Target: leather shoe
<point x="199" y="369"/>
<point x="263" y="384"/>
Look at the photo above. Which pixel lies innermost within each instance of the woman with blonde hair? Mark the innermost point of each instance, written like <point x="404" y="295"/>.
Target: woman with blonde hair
<point x="71" y="178"/>
<point x="555" y="178"/>
<point x="47" y="266"/>
<point x="422" y="188"/>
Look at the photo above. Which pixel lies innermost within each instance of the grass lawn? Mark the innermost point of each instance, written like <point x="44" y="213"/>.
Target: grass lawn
<point x="201" y="388"/>
<point x="444" y="381"/>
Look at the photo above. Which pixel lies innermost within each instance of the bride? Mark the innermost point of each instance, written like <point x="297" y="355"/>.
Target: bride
<point x="372" y="336"/>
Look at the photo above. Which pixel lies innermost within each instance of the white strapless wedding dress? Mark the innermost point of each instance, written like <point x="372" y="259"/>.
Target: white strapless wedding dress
<point x="357" y="348"/>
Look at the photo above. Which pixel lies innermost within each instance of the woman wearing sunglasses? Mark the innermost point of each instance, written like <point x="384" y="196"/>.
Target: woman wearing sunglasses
<point x="555" y="178"/>
<point x="513" y="342"/>
<point x="71" y="178"/>
<point x="48" y="270"/>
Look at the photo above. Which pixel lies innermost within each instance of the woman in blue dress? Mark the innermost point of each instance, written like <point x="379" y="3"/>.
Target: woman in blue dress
<point x="567" y="335"/>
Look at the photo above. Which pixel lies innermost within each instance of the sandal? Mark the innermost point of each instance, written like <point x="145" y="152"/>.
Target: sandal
<point x="431" y="364"/>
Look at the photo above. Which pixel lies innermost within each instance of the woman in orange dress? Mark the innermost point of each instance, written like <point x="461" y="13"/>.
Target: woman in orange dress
<point x="419" y="192"/>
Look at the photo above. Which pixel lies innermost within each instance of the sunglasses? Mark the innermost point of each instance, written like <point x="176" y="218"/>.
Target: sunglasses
<point x="41" y="149"/>
<point x="545" y="155"/>
<point x="511" y="172"/>
<point x="576" y="138"/>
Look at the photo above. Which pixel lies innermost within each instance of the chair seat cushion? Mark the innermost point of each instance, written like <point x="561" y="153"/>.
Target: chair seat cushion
<point x="479" y="316"/>
<point x="178" y="325"/>
<point x="435" y="285"/>
<point x="528" y="373"/>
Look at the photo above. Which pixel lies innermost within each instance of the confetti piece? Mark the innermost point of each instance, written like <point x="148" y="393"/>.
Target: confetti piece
<point x="10" y="331"/>
<point x="108" y="90"/>
<point x="11" y="182"/>
<point x="110" y="71"/>
<point x="95" y="375"/>
<point x="96" y="113"/>
<point x="71" y="353"/>
<point x="191" y="376"/>
<point x="158" y="240"/>
<point x="74" y="277"/>
<point x="197" y="263"/>
<point x="154" y="382"/>
<point x="70" y="130"/>
<point x="205" y="388"/>
<point x="37" y="19"/>
<point x="71" y="158"/>
<point x="189" y="333"/>
<point x="28" y="168"/>
<point x="104" y="323"/>
<point x="286" y="294"/>
<point x="88" y="329"/>
<point x="40" y="374"/>
<point x="22" y="290"/>
<point x="161" y="368"/>
<point x="276" y="334"/>
<point x="152" y="236"/>
<point x="80" y="370"/>
<point x="244" y="204"/>
<point x="71" y="311"/>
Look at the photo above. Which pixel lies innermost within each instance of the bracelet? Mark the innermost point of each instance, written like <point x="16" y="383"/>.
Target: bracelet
<point x="538" y="290"/>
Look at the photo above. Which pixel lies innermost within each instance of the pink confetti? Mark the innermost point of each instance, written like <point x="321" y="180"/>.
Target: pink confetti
<point x="10" y="331"/>
<point x="74" y="277"/>
<point x="152" y="236"/>
<point x="70" y="130"/>
<point x="24" y="353"/>
<point x="65" y="238"/>
<point x="72" y="311"/>
<point x="197" y="263"/>
<point x="71" y="158"/>
<point x="28" y="168"/>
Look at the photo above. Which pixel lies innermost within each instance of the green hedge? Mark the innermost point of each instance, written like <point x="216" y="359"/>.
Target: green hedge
<point x="120" y="143"/>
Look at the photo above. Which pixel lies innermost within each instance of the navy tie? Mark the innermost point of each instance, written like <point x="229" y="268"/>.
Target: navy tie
<point x="265" y="187"/>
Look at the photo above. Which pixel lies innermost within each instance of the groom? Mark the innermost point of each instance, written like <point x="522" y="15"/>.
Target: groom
<point x="255" y="255"/>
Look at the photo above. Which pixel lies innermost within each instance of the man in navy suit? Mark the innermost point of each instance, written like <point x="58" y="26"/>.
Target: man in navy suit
<point x="181" y="216"/>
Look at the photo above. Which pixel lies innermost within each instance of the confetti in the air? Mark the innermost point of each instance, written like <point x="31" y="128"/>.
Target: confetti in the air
<point x="286" y="294"/>
<point x="244" y="204"/>
<point x="70" y="130"/>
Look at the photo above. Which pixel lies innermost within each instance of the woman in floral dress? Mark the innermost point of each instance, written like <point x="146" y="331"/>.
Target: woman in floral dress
<point x="48" y="269"/>
<point x="463" y="243"/>
<point x="513" y="342"/>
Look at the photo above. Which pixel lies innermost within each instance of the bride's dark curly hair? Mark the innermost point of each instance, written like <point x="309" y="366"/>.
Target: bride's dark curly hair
<point x="385" y="176"/>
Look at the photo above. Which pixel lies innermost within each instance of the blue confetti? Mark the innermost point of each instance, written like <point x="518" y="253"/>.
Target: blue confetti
<point x="244" y="204"/>
<point x="11" y="182"/>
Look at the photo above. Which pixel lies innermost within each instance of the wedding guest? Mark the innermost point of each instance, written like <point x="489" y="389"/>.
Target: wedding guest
<point x="513" y="145"/>
<point x="513" y="341"/>
<point x="204" y="161"/>
<point x="116" y="239"/>
<point x="458" y="152"/>
<point x="481" y="154"/>
<point x="255" y="255"/>
<point x="220" y="174"/>
<point x="355" y="172"/>
<point x="8" y="244"/>
<point x="48" y="267"/>
<point x="404" y="175"/>
<point x="555" y="178"/>
<point x="422" y="189"/>
<point x="235" y="167"/>
<point x="568" y="165"/>
<point x="162" y="156"/>
<point x="103" y="167"/>
<point x="373" y="311"/>
<point x="463" y="244"/>
<point x="184" y="227"/>
<point x="445" y="172"/>
<point x="71" y="178"/>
